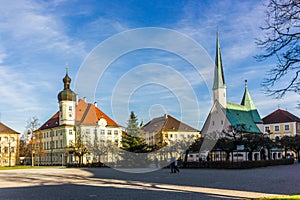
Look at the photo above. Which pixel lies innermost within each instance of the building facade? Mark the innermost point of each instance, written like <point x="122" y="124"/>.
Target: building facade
<point x="9" y="146"/>
<point x="166" y="129"/>
<point x="281" y="123"/>
<point x="77" y="128"/>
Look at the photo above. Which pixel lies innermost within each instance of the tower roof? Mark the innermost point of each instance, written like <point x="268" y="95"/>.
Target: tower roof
<point x="219" y="81"/>
<point x="67" y="93"/>
<point x="247" y="100"/>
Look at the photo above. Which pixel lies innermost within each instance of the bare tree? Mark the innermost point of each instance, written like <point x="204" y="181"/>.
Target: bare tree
<point x="35" y="139"/>
<point x="79" y="146"/>
<point x="281" y="41"/>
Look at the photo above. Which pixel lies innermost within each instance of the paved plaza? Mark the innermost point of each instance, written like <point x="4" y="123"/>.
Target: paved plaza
<point x="105" y="183"/>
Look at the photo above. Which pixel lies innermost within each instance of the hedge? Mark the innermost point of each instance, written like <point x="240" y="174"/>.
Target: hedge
<point x="236" y="165"/>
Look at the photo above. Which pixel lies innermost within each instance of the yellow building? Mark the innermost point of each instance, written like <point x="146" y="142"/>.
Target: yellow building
<point x="9" y="146"/>
<point x="281" y="123"/>
<point x="161" y="131"/>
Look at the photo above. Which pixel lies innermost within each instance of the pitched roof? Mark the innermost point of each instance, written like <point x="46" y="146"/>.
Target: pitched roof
<point x="89" y="114"/>
<point x="6" y="130"/>
<point x="86" y="114"/>
<point x="255" y="117"/>
<point x="167" y="123"/>
<point x="280" y="116"/>
<point x="242" y="117"/>
<point x="51" y="123"/>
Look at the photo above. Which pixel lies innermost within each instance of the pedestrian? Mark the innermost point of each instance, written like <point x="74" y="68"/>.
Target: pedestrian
<point x="156" y="162"/>
<point x="176" y="167"/>
<point x="172" y="165"/>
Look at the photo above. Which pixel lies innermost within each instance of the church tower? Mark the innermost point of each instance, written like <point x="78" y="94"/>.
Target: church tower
<point x="67" y="103"/>
<point x="219" y="87"/>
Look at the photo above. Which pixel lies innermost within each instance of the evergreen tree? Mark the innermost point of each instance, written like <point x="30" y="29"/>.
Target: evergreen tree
<point x="134" y="145"/>
<point x="133" y="141"/>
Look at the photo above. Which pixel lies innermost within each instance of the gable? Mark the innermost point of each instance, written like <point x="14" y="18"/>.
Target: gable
<point x="6" y="130"/>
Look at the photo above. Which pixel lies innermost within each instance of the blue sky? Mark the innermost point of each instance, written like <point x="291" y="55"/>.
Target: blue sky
<point x="37" y="38"/>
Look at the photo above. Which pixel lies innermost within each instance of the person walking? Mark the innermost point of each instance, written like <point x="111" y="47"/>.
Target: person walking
<point x="172" y="165"/>
<point x="176" y="167"/>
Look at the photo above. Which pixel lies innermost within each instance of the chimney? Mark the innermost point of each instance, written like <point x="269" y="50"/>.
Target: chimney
<point x="95" y="104"/>
<point x="84" y="99"/>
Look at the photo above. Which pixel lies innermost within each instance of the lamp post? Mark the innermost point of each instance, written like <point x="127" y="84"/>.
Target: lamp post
<point x="51" y="146"/>
<point x="30" y="135"/>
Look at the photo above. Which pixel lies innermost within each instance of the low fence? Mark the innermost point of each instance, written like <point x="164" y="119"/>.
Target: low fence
<point x="236" y="165"/>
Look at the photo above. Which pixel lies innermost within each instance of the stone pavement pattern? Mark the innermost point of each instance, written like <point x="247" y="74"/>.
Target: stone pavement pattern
<point x="105" y="183"/>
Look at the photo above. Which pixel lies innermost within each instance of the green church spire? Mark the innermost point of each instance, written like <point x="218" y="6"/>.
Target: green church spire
<point x="247" y="101"/>
<point x="219" y="81"/>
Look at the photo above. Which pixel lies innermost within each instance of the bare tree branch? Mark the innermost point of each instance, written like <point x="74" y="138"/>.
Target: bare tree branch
<point x="281" y="41"/>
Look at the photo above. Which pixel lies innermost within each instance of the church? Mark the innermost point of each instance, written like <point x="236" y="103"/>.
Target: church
<point x="244" y="117"/>
<point x="77" y="121"/>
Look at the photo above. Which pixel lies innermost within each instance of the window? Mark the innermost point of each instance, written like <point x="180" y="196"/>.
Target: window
<point x="267" y="129"/>
<point x="6" y="150"/>
<point x="108" y="132"/>
<point x="221" y="122"/>
<point x="276" y="128"/>
<point x="12" y="149"/>
<point x="115" y="132"/>
<point x="87" y="131"/>
<point x="102" y="132"/>
<point x="287" y="127"/>
<point x="0" y="138"/>
<point x="70" y="108"/>
<point x="70" y="132"/>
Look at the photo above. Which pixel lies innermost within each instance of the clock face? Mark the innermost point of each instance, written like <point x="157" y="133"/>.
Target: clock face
<point x="102" y="122"/>
<point x="70" y="115"/>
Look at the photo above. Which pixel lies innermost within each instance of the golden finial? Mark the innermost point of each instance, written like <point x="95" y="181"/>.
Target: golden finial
<point x="67" y="67"/>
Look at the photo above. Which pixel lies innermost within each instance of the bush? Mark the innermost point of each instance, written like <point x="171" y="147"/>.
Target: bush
<point x="237" y="165"/>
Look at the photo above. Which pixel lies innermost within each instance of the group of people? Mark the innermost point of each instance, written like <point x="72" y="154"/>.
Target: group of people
<point x="174" y="166"/>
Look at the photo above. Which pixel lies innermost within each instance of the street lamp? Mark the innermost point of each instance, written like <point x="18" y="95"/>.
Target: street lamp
<point x="51" y="146"/>
<point x="30" y="134"/>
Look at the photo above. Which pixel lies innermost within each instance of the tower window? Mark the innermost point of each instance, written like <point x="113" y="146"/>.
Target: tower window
<point x="70" y="108"/>
<point x="70" y="132"/>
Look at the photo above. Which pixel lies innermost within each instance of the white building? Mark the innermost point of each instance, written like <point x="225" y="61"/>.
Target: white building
<point x="76" y="119"/>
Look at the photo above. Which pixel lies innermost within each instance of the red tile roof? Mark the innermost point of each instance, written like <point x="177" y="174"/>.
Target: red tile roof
<point x="6" y="130"/>
<point x="167" y="123"/>
<point x="51" y="123"/>
<point x="280" y="116"/>
<point x="86" y="114"/>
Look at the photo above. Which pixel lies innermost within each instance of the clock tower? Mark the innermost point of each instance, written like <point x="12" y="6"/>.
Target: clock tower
<point x="67" y="103"/>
